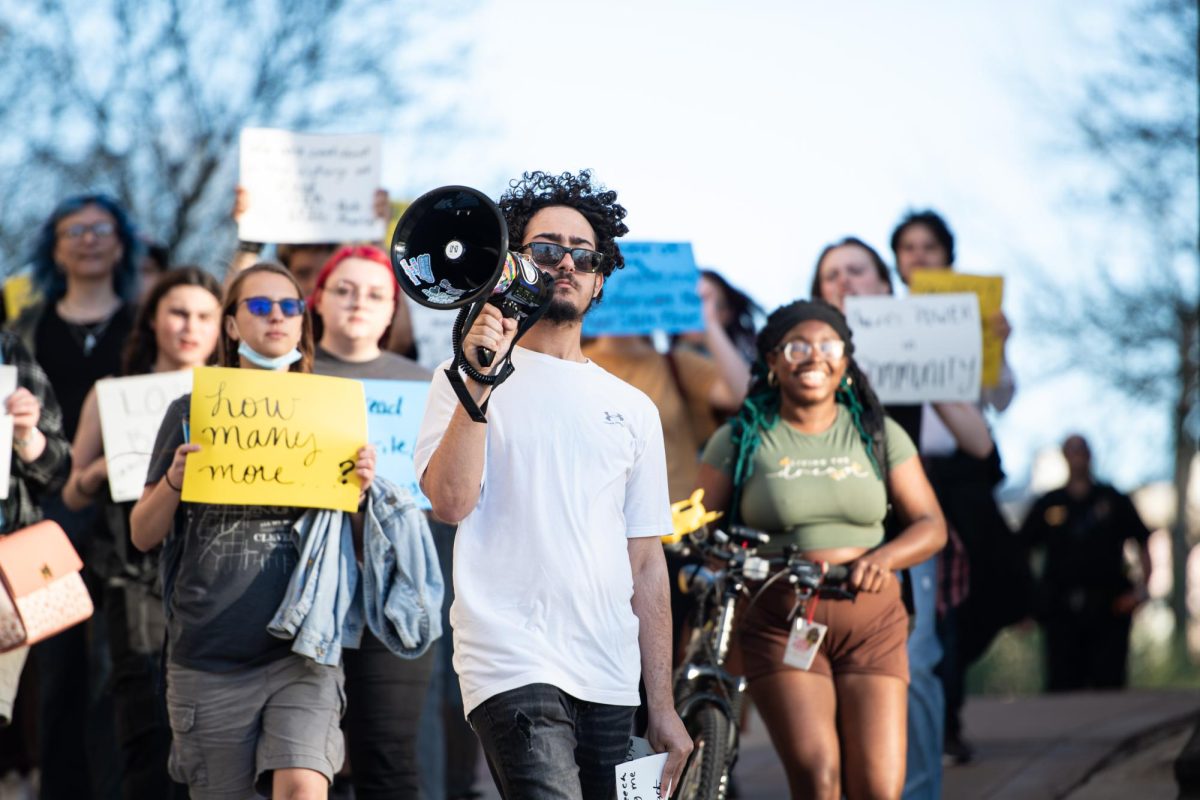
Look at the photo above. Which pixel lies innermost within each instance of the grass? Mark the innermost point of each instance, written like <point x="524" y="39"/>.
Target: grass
<point x="1013" y="664"/>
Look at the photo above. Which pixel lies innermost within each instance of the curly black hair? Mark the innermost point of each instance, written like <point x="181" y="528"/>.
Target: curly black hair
<point x="534" y="191"/>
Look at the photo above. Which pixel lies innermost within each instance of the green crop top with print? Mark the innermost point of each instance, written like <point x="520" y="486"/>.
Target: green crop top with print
<point x="813" y="490"/>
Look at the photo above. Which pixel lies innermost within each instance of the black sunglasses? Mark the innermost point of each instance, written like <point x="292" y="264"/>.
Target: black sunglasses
<point x="549" y="254"/>
<point x="261" y="306"/>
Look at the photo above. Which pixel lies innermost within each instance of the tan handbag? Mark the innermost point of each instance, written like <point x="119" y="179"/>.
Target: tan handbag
<point x="42" y="592"/>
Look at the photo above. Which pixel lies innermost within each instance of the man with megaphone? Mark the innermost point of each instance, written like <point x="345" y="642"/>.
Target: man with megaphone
<point x="559" y="491"/>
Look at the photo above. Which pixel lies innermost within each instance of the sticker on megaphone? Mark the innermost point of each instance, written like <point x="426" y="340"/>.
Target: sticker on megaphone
<point x="418" y="269"/>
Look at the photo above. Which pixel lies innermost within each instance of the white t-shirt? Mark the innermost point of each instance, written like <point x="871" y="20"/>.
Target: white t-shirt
<point x="574" y="465"/>
<point x="938" y="440"/>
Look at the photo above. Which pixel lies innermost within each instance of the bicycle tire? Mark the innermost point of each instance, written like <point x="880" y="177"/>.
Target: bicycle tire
<point x="706" y="774"/>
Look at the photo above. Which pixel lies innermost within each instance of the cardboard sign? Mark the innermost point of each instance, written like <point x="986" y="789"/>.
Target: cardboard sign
<point x="989" y="289"/>
<point x="918" y="349"/>
<point x="656" y="291"/>
<point x="131" y="412"/>
<point x="394" y="412"/>
<point x="308" y="188"/>
<point x="8" y="385"/>
<point x="275" y="439"/>
<point x="641" y="779"/>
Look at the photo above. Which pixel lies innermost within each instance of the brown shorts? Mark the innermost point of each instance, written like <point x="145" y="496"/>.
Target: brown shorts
<point x="867" y="635"/>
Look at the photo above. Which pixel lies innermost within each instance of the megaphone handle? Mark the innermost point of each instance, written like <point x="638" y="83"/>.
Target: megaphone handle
<point x="509" y="310"/>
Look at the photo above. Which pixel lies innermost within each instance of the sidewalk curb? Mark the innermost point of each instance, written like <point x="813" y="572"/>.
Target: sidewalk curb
<point x="1141" y="740"/>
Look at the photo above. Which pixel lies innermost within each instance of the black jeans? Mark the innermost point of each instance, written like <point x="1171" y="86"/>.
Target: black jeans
<point x="1086" y="650"/>
<point x="384" y="697"/>
<point x="77" y="742"/>
<point x="140" y="705"/>
<point x="543" y="744"/>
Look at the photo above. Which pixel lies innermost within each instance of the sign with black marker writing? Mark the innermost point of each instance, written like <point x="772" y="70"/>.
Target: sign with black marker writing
<point x="919" y="349"/>
<point x="306" y="188"/>
<point x="275" y="439"/>
<point x="655" y="291"/>
<point x="131" y="412"/>
<point x="394" y="412"/>
<point x="641" y="779"/>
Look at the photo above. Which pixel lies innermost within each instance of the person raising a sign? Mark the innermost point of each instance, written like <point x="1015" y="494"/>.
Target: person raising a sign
<point x="811" y="459"/>
<point x="561" y="497"/>
<point x="922" y="240"/>
<point x="176" y="329"/>
<point x="984" y="574"/>
<point x="246" y="712"/>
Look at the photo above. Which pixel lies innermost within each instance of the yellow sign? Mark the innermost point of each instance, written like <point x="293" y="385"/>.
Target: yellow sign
<point x="398" y="207"/>
<point x="989" y="289"/>
<point x="275" y="439"/>
<point x="19" y="294"/>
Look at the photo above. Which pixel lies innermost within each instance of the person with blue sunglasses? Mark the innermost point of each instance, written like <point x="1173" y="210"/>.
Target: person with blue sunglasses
<point x="246" y="712"/>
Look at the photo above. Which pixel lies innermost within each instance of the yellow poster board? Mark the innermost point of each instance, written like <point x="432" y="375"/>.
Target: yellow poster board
<point x="274" y="439"/>
<point x="990" y="290"/>
<point x="19" y="294"/>
<point x="398" y="207"/>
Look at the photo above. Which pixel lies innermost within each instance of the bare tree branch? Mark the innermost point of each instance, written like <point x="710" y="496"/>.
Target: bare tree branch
<point x="147" y="100"/>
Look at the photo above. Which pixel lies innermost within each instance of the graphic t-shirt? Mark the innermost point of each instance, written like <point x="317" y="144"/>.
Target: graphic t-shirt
<point x="574" y="466"/>
<point x="682" y="404"/>
<point x="225" y="571"/>
<point x="814" y="490"/>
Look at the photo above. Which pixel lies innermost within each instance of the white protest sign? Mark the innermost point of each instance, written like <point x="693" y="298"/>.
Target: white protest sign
<point x="131" y="412"/>
<point x="641" y="779"/>
<point x="8" y="385"/>
<point x="308" y="188"/>
<point x="6" y="442"/>
<point x="919" y="349"/>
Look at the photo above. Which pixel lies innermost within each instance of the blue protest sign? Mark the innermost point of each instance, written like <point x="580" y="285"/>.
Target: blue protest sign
<point x="394" y="412"/>
<point x="656" y="291"/>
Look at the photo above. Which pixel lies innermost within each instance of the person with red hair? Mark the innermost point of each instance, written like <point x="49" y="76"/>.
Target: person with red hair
<point x="354" y="301"/>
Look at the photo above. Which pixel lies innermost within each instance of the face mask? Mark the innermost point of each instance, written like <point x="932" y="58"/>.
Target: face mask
<point x="266" y="362"/>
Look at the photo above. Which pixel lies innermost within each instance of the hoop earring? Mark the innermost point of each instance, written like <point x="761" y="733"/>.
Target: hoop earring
<point x="772" y="378"/>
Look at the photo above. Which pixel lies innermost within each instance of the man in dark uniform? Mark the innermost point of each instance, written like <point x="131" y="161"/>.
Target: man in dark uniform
<point x="1087" y="599"/>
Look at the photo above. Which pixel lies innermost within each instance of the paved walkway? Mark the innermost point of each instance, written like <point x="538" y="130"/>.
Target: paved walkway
<point x="1079" y="747"/>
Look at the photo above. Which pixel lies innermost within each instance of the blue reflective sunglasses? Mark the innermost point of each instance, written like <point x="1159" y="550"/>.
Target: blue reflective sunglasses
<point x="261" y="306"/>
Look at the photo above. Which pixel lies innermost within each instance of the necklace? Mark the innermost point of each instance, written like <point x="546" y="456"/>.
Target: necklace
<point x="88" y="334"/>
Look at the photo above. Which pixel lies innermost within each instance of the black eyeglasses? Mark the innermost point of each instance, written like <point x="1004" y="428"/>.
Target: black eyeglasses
<point x="101" y="230"/>
<point x="798" y="350"/>
<point x="549" y="254"/>
<point x="261" y="306"/>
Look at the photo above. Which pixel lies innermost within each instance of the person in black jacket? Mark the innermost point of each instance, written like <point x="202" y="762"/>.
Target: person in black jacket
<point x="1086" y="597"/>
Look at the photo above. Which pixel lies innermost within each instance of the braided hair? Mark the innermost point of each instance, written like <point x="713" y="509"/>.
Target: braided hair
<point x="760" y="410"/>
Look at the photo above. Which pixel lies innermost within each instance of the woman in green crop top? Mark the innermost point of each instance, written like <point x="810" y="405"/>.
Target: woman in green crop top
<point x="811" y="460"/>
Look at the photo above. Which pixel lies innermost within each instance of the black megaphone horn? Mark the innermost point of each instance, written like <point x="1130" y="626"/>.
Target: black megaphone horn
<point x="450" y="250"/>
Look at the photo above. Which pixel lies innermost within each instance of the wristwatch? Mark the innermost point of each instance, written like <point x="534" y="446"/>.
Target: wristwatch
<point x="250" y="247"/>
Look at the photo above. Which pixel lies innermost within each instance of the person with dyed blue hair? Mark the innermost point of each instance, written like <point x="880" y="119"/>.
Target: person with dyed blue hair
<point x="85" y="269"/>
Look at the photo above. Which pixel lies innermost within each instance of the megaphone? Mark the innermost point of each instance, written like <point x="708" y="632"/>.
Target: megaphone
<point x="450" y="250"/>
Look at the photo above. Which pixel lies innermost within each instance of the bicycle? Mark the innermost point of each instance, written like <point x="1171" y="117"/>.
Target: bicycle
<point x="708" y="698"/>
